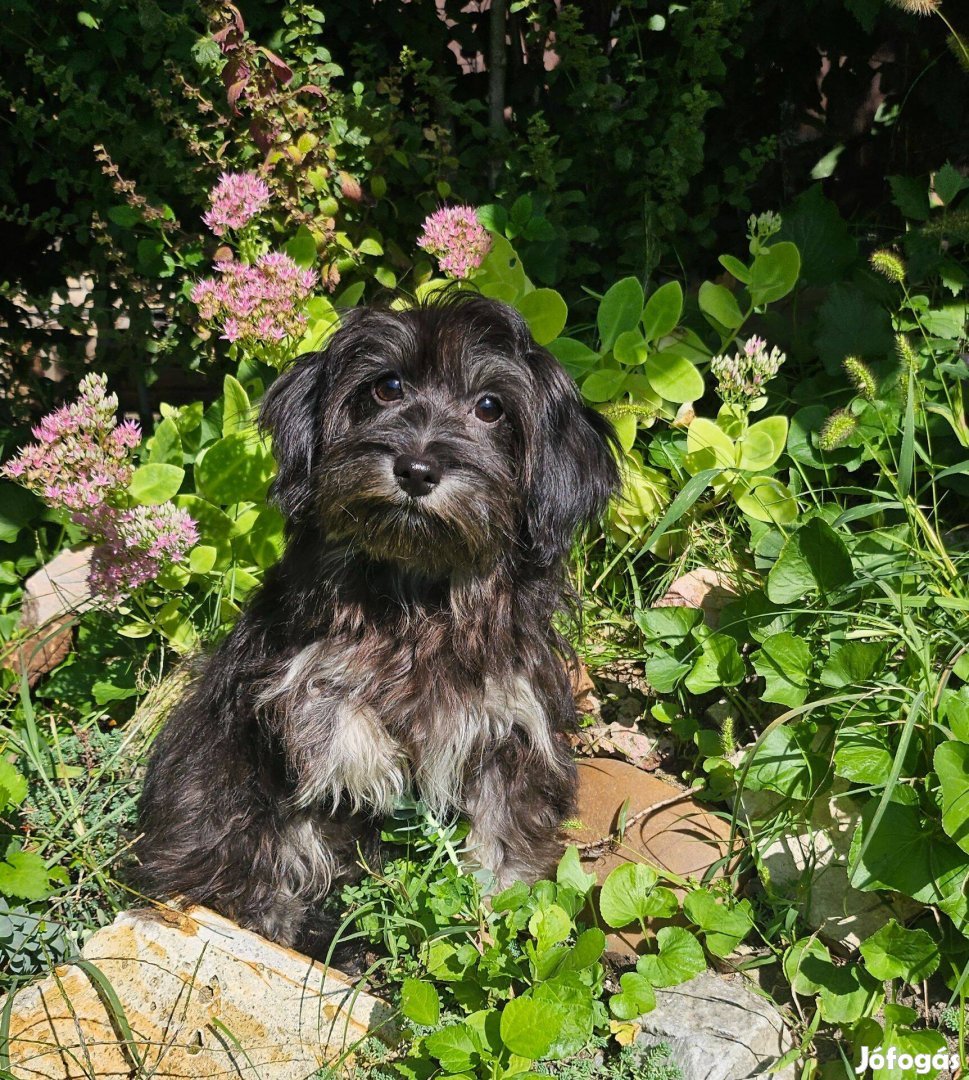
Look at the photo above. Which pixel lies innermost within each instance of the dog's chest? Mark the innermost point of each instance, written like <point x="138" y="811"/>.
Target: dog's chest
<point x="366" y="726"/>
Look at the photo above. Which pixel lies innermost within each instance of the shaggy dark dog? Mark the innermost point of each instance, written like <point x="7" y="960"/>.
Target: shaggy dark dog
<point x="434" y="466"/>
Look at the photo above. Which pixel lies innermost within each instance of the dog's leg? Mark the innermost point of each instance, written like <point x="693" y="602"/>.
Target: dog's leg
<point x="516" y="803"/>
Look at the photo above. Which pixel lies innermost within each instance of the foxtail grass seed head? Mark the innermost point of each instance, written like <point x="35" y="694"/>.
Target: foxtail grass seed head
<point x="917" y="7"/>
<point x="907" y="356"/>
<point x="861" y="377"/>
<point x="889" y="265"/>
<point x="837" y="430"/>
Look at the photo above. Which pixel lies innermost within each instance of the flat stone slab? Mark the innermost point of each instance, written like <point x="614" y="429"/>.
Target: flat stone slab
<point x="718" y="1029"/>
<point x="200" y="997"/>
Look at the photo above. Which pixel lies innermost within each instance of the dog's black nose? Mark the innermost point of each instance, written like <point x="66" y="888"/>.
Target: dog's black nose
<point x="417" y="475"/>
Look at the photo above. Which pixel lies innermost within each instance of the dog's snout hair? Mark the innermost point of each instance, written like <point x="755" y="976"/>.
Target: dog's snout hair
<point x="434" y="465"/>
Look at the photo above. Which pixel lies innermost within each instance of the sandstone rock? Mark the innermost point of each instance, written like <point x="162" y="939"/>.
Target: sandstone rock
<point x="709" y="590"/>
<point x="718" y="1029"/>
<point x="51" y="595"/>
<point x="675" y="833"/>
<point x="200" y="998"/>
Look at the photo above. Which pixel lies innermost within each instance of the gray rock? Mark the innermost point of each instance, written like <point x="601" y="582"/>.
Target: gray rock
<point x="718" y="1029"/>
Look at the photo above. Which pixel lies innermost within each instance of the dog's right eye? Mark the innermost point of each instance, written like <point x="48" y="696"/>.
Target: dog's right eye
<point x="388" y="388"/>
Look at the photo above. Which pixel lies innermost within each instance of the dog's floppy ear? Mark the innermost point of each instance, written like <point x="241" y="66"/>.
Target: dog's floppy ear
<point x="571" y="470"/>
<point x="291" y="413"/>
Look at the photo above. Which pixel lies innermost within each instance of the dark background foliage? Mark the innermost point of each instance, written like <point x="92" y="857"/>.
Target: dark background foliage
<point x="640" y="141"/>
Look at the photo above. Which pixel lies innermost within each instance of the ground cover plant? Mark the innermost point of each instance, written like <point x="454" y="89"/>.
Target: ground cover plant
<point x="791" y="417"/>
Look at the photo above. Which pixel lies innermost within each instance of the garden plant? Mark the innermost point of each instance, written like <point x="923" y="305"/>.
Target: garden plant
<point x="785" y="366"/>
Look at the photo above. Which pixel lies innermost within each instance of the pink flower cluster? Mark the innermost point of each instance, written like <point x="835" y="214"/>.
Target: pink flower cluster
<point x="456" y="238"/>
<point x="137" y="544"/>
<point x="235" y="199"/>
<point x="81" y="463"/>
<point x="256" y="302"/>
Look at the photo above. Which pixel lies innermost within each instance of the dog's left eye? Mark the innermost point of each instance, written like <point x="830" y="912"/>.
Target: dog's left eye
<point x="488" y="409"/>
<point x="388" y="388"/>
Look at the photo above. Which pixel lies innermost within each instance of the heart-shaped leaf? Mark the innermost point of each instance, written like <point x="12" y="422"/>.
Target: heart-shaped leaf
<point x="680" y="957"/>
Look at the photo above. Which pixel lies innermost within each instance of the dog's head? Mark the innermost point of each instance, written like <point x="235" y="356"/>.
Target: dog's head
<point x="440" y="437"/>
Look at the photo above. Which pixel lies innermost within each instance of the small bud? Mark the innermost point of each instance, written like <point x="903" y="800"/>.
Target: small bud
<point x="861" y="377"/>
<point x="837" y="430"/>
<point x="889" y="265"/>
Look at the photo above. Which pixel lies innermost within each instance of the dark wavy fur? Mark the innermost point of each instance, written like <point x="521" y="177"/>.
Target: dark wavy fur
<point x="403" y="642"/>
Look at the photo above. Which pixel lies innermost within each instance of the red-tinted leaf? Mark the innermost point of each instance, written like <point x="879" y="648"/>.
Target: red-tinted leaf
<point x="281" y="69"/>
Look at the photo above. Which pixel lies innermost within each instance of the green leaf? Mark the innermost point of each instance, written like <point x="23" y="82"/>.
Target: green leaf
<point x="709" y="446"/>
<point x="620" y="309"/>
<point x="266" y="537"/>
<point x="896" y="953"/>
<point x="457" y="1048"/>
<point x="774" y="273"/>
<point x="680" y="957"/>
<point x="85" y="18"/>
<point x="202" y="558"/>
<point x="724" y="928"/>
<point x="719" y="664"/>
<point x="762" y="443"/>
<point x="905" y="853"/>
<point x="603" y="385"/>
<point x="823" y="239"/>
<point x="570" y="872"/>
<point x="911" y="196"/>
<point x="576" y="358"/>
<point x="784" y="762"/>
<point x="736" y="268"/>
<point x="855" y="663"/>
<point x="125" y="216"/>
<point x="951" y="762"/>
<point x="236" y="411"/>
<point x="637" y="997"/>
<point x="501" y="274"/>
<point x="420" y="1002"/>
<point x="630" y="348"/>
<point x="369" y="246"/>
<point x="24" y="875"/>
<point x="588" y="947"/>
<point x="862" y="755"/>
<point x="784" y="661"/>
<point x="545" y="312"/>
<point x="663" y="311"/>
<point x="625" y="894"/>
<point x="719" y="304"/>
<point x="948" y="182"/>
<point x="165" y="446"/>
<point x="673" y="376"/>
<point x="302" y="248"/>
<point x="765" y="498"/>
<point x="530" y="1028"/>
<point x="550" y="925"/>
<point x="155" y="483"/>
<point x="13" y="786"/>
<point x="215" y="527"/>
<point x="814" y="559"/>
<point x="236" y="468"/>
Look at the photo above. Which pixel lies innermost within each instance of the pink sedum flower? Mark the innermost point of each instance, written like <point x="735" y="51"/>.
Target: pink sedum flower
<point x="455" y="237"/>
<point x="236" y="199"/>
<point x="81" y="463"/>
<point x="258" y="302"/>
<point x="744" y="375"/>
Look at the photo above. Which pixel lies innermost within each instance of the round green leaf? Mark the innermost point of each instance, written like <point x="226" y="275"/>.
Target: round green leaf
<point x="718" y="303"/>
<point x="266" y="537"/>
<point x="234" y="469"/>
<point x="663" y="311"/>
<point x="237" y="413"/>
<point x="576" y="358"/>
<point x="457" y="1047"/>
<point x="302" y="247"/>
<point x="674" y="377"/>
<point x="620" y="309"/>
<point x="763" y="443"/>
<point x="501" y="274"/>
<point x="709" y="446"/>
<point x="545" y="312"/>
<point x="765" y="498"/>
<point x="951" y="762"/>
<point x="896" y="953"/>
<point x="625" y="894"/>
<point x="815" y="558"/>
<point x="630" y="348"/>
<point x="784" y="661"/>
<point x="724" y="926"/>
<point x="680" y="957"/>
<point x="202" y="558"/>
<point x="166" y="444"/>
<point x="549" y="925"/>
<point x="603" y="385"/>
<point x="774" y="273"/>
<point x="155" y="483"/>
<point x="636" y="998"/>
